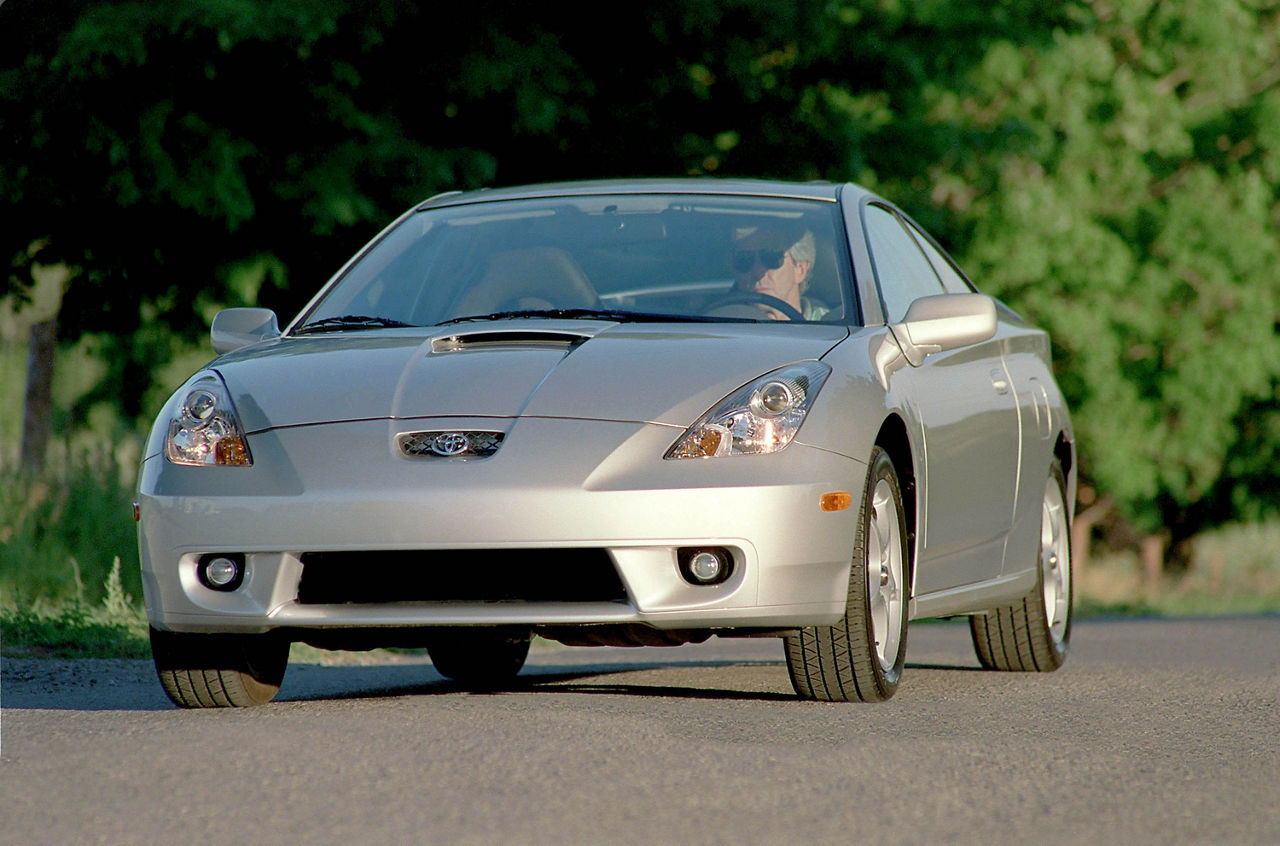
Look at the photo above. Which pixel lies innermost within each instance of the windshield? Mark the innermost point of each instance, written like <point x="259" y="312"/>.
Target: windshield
<point x="624" y="257"/>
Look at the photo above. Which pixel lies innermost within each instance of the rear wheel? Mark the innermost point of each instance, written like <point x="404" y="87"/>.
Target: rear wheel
<point x="860" y="658"/>
<point x="480" y="657"/>
<point x="219" y="670"/>
<point x="1034" y="633"/>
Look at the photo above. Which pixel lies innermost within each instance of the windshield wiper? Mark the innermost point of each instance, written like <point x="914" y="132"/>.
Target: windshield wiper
<point x="349" y="321"/>
<point x="587" y="314"/>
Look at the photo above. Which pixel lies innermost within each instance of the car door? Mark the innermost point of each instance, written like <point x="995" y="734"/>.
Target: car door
<point x="966" y="420"/>
<point x="1024" y="350"/>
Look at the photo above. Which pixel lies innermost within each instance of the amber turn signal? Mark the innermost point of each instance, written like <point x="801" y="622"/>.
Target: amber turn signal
<point x="835" y="501"/>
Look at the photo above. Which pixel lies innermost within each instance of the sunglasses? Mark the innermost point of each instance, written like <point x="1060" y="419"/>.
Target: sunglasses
<point x="744" y="260"/>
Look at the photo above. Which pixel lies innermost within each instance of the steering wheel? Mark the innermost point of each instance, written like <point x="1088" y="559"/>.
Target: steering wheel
<point x="756" y="298"/>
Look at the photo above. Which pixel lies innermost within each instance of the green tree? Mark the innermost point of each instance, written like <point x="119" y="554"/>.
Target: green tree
<point x="1132" y="207"/>
<point x="179" y="152"/>
<point x="161" y="149"/>
<point x="1108" y="166"/>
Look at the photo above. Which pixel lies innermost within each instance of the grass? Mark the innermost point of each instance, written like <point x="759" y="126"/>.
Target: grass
<point x="116" y="627"/>
<point x="61" y="533"/>
<point x="68" y="550"/>
<point x="69" y="572"/>
<point x="70" y="633"/>
<point x="1235" y="569"/>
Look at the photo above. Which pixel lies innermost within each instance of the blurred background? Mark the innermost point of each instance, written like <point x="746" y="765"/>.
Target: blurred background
<point x="1109" y="168"/>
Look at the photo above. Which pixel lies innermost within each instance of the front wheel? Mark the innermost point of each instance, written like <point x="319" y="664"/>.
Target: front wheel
<point x="1034" y="633"/>
<point x="219" y="670"/>
<point x="860" y="658"/>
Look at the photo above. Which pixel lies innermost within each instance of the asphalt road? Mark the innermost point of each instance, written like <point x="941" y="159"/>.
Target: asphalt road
<point x="1153" y="732"/>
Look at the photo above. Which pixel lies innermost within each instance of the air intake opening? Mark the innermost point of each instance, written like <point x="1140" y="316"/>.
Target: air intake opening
<point x="459" y="575"/>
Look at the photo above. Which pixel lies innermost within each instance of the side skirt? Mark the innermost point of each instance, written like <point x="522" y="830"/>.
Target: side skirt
<point x="973" y="598"/>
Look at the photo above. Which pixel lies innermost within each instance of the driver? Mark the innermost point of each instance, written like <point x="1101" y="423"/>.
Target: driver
<point x="770" y="260"/>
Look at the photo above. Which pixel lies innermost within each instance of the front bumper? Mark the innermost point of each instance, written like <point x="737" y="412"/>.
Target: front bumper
<point x="554" y="484"/>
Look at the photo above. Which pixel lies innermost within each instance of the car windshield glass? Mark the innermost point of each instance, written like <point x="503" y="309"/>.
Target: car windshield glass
<point x="619" y="257"/>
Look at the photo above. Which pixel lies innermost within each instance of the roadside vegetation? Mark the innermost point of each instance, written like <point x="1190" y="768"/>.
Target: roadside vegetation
<point x="114" y="627"/>
<point x="70" y="588"/>
<point x="1109" y="169"/>
<point x="1234" y="569"/>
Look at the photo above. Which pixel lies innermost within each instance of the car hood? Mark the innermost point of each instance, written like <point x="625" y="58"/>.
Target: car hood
<point x="636" y="372"/>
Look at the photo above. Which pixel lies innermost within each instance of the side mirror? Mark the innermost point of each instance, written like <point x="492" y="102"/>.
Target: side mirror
<point x="234" y="328"/>
<point x="944" y="322"/>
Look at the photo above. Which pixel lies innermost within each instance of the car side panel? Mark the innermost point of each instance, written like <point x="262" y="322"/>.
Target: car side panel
<point x="1042" y="418"/>
<point x="969" y="427"/>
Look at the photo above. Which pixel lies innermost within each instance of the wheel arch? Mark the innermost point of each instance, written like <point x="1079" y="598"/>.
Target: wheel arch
<point x="1064" y="450"/>
<point x="893" y="439"/>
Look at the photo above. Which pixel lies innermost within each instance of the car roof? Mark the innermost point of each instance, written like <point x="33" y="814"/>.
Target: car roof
<point x="825" y="191"/>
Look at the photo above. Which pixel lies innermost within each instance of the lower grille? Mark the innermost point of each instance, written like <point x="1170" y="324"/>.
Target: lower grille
<point x="457" y="575"/>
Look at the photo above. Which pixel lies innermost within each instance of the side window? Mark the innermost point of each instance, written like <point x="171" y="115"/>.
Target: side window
<point x="903" y="272"/>
<point x="951" y="278"/>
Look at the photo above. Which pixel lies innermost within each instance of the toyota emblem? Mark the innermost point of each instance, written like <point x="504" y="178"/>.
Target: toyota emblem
<point x="450" y="443"/>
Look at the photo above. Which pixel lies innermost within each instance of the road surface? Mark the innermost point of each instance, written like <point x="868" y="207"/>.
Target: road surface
<point x="1154" y="731"/>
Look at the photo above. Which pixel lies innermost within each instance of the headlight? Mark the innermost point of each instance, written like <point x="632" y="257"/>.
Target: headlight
<point x="759" y="418"/>
<point x="205" y="428"/>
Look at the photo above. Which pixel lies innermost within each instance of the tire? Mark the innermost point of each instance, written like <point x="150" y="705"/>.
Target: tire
<point x="1033" y="635"/>
<point x="860" y="658"/>
<point x="219" y="670"/>
<point x="480" y="657"/>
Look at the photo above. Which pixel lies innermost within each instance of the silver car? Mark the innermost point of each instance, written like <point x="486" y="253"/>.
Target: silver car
<point x="625" y="413"/>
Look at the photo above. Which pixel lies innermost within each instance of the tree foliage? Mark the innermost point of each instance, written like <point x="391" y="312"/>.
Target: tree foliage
<point x="1137" y="218"/>
<point x="1108" y="166"/>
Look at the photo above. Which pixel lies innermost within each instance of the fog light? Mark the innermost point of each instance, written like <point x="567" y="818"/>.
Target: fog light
<point x="705" y="566"/>
<point x="221" y="572"/>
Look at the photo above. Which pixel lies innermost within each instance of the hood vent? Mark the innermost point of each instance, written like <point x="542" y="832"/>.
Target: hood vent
<point x="507" y="339"/>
